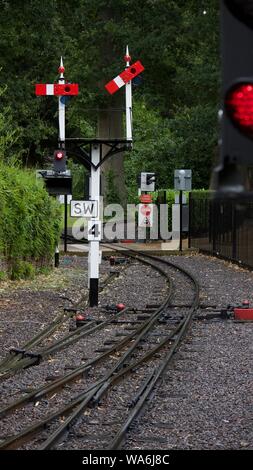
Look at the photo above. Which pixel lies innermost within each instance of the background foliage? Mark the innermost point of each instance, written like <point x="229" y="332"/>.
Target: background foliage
<point x="175" y="107"/>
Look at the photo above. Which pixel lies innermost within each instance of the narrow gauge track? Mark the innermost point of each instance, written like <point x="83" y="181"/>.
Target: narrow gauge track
<point x="23" y="358"/>
<point x="140" y="330"/>
<point x="153" y="378"/>
<point x="132" y="359"/>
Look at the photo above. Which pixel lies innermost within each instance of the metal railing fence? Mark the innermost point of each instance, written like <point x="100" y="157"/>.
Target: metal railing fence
<point x="222" y="227"/>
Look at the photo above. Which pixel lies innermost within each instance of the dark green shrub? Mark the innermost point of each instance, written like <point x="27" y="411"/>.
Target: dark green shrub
<point x="2" y="276"/>
<point x="22" y="270"/>
<point x="29" y="220"/>
<point x="44" y="270"/>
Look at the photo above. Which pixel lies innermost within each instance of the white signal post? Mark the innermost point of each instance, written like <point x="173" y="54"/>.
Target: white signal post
<point x="59" y="89"/>
<point x="94" y="224"/>
<point x="94" y="229"/>
<point x="125" y="78"/>
<point x="128" y="100"/>
<point x="61" y="117"/>
<point x="61" y="108"/>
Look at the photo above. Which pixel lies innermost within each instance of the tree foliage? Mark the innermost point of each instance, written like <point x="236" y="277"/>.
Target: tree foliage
<point x="176" y="105"/>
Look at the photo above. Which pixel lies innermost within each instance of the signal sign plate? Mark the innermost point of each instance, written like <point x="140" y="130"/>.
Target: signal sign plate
<point x="94" y="230"/>
<point x="84" y="208"/>
<point x="147" y="187"/>
<point x="145" y="216"/>
<point x="183" y="180"/>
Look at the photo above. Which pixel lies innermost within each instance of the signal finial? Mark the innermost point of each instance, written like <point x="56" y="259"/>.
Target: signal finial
<point x="61" y="69"/>
<point x="127" y="57"/>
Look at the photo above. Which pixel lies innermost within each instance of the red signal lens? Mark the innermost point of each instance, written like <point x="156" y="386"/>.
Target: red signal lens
<point x="59" y="155"/>
<point x="239" y="106"/>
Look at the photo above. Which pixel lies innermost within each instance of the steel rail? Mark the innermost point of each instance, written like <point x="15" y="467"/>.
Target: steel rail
<point x="58" y="345"/>
<point x="101" y="389"/>
<point x="109" y="378"/>
<point x="13" y="442"/>
<point x="46" y="332"/>
<point x="98" y="389"/>
<point x="21" y="437"/>
<point x="71" y="376"/>
<point x="12" y="364"/>
<point x="117" y="373"/>
<point x="151" y="381"/>
<point x="49" y="329"/>
<point x="132" y="253"/>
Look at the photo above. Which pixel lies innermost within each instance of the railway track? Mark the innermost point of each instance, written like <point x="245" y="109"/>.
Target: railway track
<point x="148" y="349"/>
<point x="23" y="357"/>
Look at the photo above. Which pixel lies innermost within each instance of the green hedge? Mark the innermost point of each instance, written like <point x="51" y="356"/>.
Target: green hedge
<point x="29" y="221"/>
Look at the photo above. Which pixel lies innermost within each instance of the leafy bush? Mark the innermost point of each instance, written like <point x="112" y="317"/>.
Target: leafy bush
<point x="22" y="270"/>
<point x="29" y="220"/>
<point x="2" y="275"/>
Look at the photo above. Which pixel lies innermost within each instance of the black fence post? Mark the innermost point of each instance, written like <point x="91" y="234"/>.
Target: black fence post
<point x="213" y="208"/>
<point x="65" y="222"/>
<point x="56" y="257"/>
<point x="180" y="219"/>
<point x="234" y="230"/>
<point x="190" y="202"/>
<point x="158" y="203"/>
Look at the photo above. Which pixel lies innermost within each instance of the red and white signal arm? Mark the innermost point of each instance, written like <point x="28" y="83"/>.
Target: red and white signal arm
<point x="56" y="89"/>
<point x="124" y="77"/>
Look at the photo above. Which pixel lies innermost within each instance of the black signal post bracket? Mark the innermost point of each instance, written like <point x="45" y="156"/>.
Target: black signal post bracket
<point x="76" y="144"/>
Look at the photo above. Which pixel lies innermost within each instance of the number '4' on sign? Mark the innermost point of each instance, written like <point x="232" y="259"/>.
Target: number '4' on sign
<point x="94" y="231"/>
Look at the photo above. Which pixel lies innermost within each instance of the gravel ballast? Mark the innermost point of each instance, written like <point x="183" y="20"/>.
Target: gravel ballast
<point x="205" y="399"/>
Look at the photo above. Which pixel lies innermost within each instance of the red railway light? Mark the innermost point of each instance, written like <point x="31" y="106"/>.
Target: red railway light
<point x="236" y="122"/>
<point x="239" y="107"/>
<point x="59" y="155"/>
<point x="60" y="161"/>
